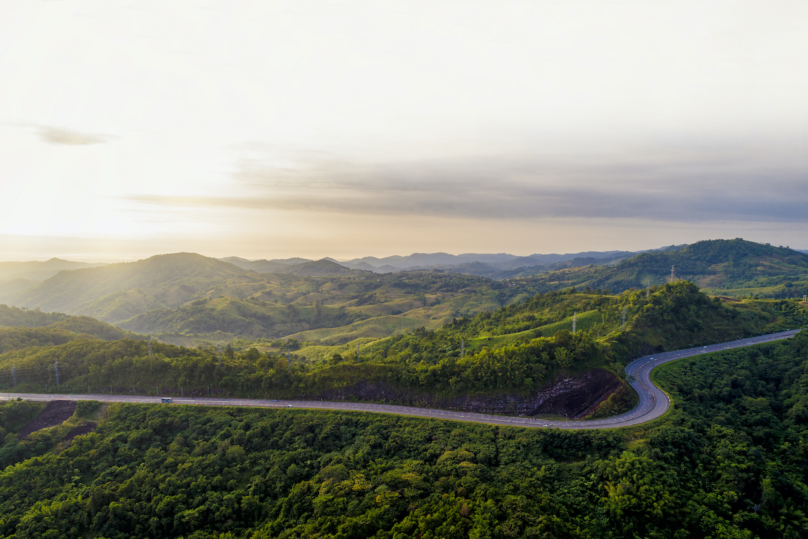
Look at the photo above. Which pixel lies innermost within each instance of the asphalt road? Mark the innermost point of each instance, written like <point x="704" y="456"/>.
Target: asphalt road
<point x="653" y="401"/>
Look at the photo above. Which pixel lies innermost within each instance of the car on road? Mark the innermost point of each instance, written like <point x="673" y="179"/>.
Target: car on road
<point x="165" y="401"/>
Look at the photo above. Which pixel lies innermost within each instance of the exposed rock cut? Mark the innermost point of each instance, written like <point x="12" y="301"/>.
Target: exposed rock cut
<point x="573" y="396"/>
<point x="55" y="413"/>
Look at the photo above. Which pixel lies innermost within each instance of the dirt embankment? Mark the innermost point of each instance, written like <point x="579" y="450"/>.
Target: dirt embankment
<point x="573" y="396"/>
<point x="55" y="413"/>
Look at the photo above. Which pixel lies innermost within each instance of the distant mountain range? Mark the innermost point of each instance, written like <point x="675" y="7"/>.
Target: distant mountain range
<point x="187" y="293"/>
<point x="496" y="266"/>
<point x="39" y="271"/>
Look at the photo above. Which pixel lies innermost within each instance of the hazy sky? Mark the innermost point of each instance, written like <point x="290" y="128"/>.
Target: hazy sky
<point x="316" y="128"/>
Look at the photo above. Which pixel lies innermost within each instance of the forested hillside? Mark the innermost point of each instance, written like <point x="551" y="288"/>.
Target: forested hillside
<point x="249" y="318"/>
<point x="728" y="462"/>
<point x="513" y="351"/>
<point x="726" y="267"/>
<point x="21" y="329"/>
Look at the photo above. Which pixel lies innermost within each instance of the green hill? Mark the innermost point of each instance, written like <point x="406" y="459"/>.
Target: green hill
<point x="22" y="328"/>
<point x="722" y="267"/>
<point x="514" y="350"/>
<point x="113" y="292"/>
<point x="320" y="268"/>
<point x="250" y="318"/>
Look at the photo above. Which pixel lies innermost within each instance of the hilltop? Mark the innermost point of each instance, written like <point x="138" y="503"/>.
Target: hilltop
<point x="22" y="328"/>
<point x="725" y="267"/>
<point x="118" y="291"/>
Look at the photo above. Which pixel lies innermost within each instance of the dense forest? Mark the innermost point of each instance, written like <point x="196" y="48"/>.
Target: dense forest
<point x="729" y="461"/>
<point x="514" y="350"/>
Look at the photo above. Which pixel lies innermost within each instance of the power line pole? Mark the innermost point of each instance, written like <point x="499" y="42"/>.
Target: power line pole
<point x="673" y="275"/>
<point x="57" y="373"/>
<point x="462" y="348"/>
<point x="574" y="322"/>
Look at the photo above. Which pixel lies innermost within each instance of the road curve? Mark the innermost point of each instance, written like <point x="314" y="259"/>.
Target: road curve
<point x="653" y="401"/>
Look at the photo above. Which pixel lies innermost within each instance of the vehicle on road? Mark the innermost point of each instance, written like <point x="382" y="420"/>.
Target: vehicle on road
<point x="166" y="401"/>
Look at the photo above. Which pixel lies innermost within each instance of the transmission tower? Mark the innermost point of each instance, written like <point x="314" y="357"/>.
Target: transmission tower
<point x="673" y="275"/>
<point x="574" y="321"/>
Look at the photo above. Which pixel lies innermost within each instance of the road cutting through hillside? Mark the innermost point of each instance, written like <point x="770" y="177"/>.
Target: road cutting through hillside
<point x="653" y="401"/>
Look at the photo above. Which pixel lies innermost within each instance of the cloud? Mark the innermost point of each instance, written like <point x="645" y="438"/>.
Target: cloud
<point x="53" y="135"/>
<point x="673" y="186"/>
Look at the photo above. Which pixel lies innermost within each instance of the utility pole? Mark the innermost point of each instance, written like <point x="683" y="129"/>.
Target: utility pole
<point x="462" y="348"/>
<point x="624" y="319"/>
<point x="673" y="275"/>
<point x="574" y="321"/>
<point x="57" y="373"/>
<point x="14" y="374"/>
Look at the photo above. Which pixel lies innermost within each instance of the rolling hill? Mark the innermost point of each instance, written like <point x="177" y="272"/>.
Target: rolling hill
<point x="119" y="291"/>
<point x="251" y="318"/>
<point x="725" y="267"/>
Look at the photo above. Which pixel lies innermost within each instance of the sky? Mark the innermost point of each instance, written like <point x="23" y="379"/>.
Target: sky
<point x="346" y="128"/>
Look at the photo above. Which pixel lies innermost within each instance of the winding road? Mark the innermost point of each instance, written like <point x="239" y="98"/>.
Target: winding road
<point x="653" y="401"/>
